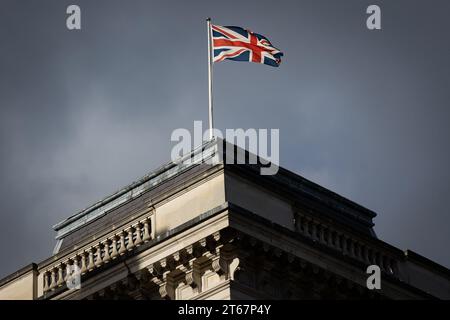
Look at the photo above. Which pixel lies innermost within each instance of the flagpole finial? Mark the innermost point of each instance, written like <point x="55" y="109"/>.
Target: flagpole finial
<point x="208" y="19"/>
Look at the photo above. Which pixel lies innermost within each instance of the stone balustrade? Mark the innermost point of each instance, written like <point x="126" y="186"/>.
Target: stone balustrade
<point x="229" y="255"/>
<point x="98" y="254"/>
<point x="346" y="243"/>
<point x="103" y="251"/>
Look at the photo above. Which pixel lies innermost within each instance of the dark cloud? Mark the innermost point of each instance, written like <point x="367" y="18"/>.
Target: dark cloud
<point x="364" y="113"/>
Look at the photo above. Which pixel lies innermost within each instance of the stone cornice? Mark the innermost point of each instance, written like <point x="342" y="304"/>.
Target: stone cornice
<point x="19" y="273"/>
<point x="427" y="263"/>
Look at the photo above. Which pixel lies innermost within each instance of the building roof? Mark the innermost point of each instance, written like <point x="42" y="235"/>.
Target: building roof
<point x="118" y="204"/>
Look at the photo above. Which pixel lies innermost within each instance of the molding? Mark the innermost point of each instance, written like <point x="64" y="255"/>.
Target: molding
<point x="19" y="273"/>
<point x="430" y="265"/>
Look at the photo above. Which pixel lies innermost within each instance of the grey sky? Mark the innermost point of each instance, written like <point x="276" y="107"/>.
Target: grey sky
<point x="364" y="113"/>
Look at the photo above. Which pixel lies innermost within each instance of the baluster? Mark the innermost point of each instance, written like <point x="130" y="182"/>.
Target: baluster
<point x="138" y="240"/>
<point x="353" y="250"/>
<point x="53" y="279"/>
<point x="314" y="230"/>
<point x="305" y="225"/>
<point x="307" y="229"/>
<point x="333" y="239"/>
<point x="130" y="244"/>
<point x="361" y="252"/>
<point x="356" y="249"/>
<point x="327" y="236"/>
<point x="300" y="222"/>
<point x="98" y="255"/>
<point x="296" y="221"/>
<point x="122" y="243"/>
<point x="381" y="261"/>
<point x="344" y="244"/>
<point x="146" y="230"/>
<point x="388" y="265"/>
<point x="394" y="267"/>
<point x="378" y="259"/>
<point x="76" y="265"/>
<point x="59" y="282"/>
<point x="114" y="247"/>
<point x="321" y="233"/>
<point x="366" y="254"/>
<point x="83" y="263"/>
<point x="337" y="241"/>
<point x="68" y="265"/>
<point x="106" y="257"/>
<point x="91" y="264"/>
<point x="46" y="282"/>
<point x="372" y="257"/>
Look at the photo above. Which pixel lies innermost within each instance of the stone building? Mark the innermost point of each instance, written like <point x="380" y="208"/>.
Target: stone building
<point x="210" y="230"/>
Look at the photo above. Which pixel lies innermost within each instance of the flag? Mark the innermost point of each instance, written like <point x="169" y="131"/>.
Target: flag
<point x="238" y="44"/>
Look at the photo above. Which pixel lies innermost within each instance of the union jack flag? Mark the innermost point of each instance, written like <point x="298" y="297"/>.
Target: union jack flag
<point x="238" y="44"/>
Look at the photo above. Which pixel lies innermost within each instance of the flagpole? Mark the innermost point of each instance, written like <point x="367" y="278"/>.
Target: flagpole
<point x="210" y="63"/>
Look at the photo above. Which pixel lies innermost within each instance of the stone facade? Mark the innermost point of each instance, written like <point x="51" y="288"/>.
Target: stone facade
<point x="210" y="230"/>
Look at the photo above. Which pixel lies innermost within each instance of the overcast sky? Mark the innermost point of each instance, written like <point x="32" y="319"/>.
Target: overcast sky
<point x="363" y="113"/>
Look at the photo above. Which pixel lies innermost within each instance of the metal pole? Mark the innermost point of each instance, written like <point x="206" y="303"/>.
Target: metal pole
<point x="210" y="62"/>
